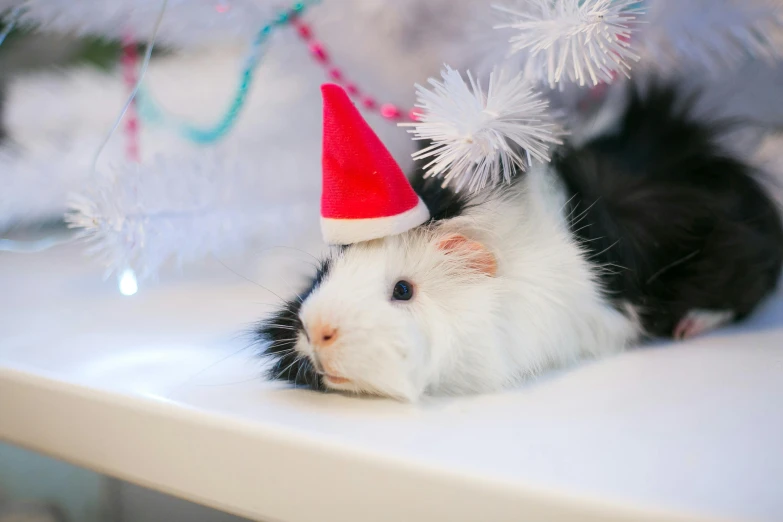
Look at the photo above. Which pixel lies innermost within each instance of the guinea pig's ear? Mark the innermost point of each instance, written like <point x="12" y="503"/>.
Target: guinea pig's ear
<point x="476" y="255"/>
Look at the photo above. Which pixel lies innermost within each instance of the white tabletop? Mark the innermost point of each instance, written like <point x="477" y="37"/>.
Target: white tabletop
<point x="161" y="389"/>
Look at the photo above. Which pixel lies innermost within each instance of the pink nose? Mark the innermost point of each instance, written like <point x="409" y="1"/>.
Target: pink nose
<point x="322" y="335"/>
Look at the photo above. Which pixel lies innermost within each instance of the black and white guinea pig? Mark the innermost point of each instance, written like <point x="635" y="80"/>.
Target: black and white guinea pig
<point x="647" y="230"/>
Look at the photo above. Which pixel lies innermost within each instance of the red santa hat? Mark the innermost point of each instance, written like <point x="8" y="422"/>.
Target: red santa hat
<point x="365" y="193"/>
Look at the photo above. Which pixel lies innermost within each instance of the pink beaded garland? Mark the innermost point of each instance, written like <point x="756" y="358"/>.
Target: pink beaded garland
<point x="128" y="62"/>
<point x="317" y="50"/>
<point x="390" y="111"/>
<point x="303" y="30"/>
<point x="352" y="89"/>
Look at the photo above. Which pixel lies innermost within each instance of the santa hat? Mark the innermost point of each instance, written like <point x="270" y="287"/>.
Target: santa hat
<point x="365" y="193"/>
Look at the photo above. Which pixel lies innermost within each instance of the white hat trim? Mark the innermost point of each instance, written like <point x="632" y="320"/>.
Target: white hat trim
<point x="349" y="231"/>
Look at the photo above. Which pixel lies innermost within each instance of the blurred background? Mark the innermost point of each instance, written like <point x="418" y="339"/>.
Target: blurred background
<point x="34" y="488"/>
<point x="223" y="139"/>
<point x="223" y="136"/>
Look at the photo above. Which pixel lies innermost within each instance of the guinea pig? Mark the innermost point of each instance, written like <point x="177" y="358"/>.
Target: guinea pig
<point x="648" y="230"/>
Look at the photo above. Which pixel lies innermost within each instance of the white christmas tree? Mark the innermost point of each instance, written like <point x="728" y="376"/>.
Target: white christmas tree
<point x="221" y="140"/>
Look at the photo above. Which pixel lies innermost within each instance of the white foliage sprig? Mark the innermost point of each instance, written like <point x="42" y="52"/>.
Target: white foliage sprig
<point x="480" y="138"/>
<point x="186" y="24"/>
<point x="175" y="209"/>
<point x="583" y="40"/>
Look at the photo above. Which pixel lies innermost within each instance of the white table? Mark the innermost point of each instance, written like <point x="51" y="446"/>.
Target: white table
<point x="158" y="389"/>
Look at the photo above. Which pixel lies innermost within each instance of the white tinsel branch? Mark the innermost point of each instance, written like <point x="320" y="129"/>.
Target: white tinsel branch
<point x="583" y="40"/>
<point x="181" y="210"/>
<point x="188" y="23"/>
<point x="480" y="138"/>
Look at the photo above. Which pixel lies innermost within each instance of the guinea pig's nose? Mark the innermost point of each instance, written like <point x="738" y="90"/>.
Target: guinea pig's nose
<point x="323" y="335"/>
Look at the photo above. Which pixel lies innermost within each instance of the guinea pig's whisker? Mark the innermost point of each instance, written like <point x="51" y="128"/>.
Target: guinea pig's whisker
<point x="190" y="378"/>
<point x="284" y="327"/>
<point x="293" y="362"/>
<point x="248" y="279"/>
<point x="607" y="268"/>
<point x="583" y="214"/>
<point x="581" y="228"/>
<point x="284" y="247"/>
<point x="233" y="383"/>
<point x="591" y="240"/>
<point x="278" y="344"/>
<point x="301" y="367"/>
<point x="293" y="291"/>
<point x="275" y="306"/>
<point x="566" y="205"/>
<point x="288" y="321"/>
<point x="284" y="370"/>
<point x="283" y="342"/>
<point x="576" y="206"/>
<point x="604" y="250"/>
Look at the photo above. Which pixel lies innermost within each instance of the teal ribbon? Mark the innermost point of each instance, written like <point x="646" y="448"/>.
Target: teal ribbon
<point x="149" y="111"/>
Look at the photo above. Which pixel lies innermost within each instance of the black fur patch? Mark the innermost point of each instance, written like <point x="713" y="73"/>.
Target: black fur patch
<point x="443" y="203"/>
<point x="278" y="335"/>
<point x="675" y="223"/>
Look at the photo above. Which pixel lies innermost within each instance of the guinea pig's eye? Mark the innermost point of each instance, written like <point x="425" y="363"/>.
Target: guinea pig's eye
<point x="403" y="291"/>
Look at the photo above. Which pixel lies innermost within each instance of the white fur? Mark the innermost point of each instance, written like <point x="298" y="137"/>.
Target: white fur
<point x="465" y="331"/>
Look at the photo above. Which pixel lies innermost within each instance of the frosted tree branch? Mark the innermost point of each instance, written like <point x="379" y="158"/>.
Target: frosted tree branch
<point x="142" y="216"/>
<point x="712" y="34"/>
<point x="582" y="40"/>
<point x="186" y="24"/>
